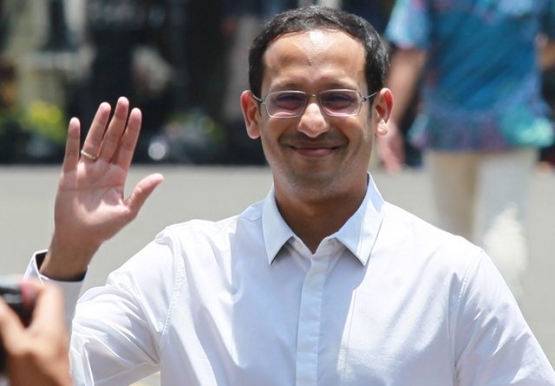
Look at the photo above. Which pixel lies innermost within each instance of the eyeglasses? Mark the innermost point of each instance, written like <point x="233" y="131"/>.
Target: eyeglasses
<point x="335" y="103"/>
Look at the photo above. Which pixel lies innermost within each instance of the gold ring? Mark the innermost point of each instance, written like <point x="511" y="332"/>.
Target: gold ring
<point x="88" y="155"/>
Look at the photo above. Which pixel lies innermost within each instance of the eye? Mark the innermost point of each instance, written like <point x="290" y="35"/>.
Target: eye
<point x="288" y="100"/>
<point x="338" y="99"/>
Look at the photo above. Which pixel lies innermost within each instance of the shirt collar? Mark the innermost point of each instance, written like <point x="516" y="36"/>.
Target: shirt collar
<point x="275" y="229"/>
<point x="358" y="234"/>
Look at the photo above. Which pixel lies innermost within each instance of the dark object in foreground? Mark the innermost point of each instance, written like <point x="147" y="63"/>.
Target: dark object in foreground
<point x="21" y="299"/>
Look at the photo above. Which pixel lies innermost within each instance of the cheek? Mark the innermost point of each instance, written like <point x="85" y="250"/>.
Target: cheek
<point x="374" y="125"/>
<point x="268" y="140"/>
<point x="365" y="136"/>
<point x="272" y="129"/>
<point x="363" y="130"/>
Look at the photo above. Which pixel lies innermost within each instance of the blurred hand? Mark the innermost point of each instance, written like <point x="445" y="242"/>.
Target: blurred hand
<point x="38" y="354"/>
<point x="90" y="205"/>
<point x="391" y="150"/>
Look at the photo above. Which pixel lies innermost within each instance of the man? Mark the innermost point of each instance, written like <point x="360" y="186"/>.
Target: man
<point x="321" y="283"/>
<point x="482" y="117"/>
<point x="37" y="354"/>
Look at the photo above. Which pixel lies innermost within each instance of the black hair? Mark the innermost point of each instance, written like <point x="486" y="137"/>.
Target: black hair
<point x="316" y="17"/>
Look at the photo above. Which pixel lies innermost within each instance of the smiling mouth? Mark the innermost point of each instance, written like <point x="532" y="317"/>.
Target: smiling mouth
<point x="314" y="151"/>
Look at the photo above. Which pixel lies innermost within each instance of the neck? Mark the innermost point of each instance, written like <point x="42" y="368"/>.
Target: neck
<point x="314" y="219"/>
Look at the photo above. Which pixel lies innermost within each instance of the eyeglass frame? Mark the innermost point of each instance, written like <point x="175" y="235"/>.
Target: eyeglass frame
<point x="262" y="101"/>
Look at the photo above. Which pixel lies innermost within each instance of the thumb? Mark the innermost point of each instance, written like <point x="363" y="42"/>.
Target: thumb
<point x="142" y="191"/>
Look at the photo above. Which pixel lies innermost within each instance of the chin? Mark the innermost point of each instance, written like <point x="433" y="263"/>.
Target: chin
<point x="317" y="183"/>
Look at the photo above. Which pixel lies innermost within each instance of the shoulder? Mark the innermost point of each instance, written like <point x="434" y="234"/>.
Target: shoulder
<point x="201" y="231"/>
<point x="419" y="242"/>
<point x="404" y="221"/>
<point x="181" y="246"/>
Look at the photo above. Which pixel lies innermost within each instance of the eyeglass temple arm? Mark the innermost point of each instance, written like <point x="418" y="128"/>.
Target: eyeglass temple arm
<point x="365" y="98"/>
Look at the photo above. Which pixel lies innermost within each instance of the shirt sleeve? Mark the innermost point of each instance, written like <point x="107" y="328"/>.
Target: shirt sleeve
<point x="117" y="328"/>
<point x="409" y="25"/>
<point x="494" y="344"/>
<point x="70" y="289"/>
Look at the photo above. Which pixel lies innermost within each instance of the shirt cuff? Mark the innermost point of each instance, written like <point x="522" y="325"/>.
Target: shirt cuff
<point x="70" y="289"/>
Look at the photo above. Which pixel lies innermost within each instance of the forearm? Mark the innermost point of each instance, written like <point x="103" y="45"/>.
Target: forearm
<point x="404" y="74"/>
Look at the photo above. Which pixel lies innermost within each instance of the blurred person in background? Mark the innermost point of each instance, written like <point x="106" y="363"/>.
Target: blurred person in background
<point x="482" y="117"/>
<point x="129" y="55"/>
<point x="375" y="11"/>
<point x="204" y="56"/>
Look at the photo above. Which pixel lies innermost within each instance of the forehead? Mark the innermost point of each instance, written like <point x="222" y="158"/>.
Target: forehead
<point x="314" y="57"/>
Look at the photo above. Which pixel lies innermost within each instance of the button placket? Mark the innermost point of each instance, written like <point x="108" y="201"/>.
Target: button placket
<point x="308" y="332"/>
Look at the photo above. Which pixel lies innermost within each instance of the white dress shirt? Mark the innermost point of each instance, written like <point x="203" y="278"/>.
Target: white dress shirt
<point x="387" y="300"/>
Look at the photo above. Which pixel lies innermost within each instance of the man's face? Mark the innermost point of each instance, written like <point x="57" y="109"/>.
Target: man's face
<point x="314" y="153"/>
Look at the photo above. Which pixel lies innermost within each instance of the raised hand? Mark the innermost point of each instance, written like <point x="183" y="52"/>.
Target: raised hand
<point x="91" y="206"/>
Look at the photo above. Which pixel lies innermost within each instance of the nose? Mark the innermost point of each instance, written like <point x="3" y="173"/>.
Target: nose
<point x="313" y="121"/>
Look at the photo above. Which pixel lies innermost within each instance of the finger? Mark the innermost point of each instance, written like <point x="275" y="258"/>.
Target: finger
<point x="142" y="191"/>
<point x="49" y="308"/>
<point x="71" y="155"/>
<point x="94" y="137"/>
<point x="116" y="128"/>
<point x="129" y="139"/>
<point x="36" y="285"/>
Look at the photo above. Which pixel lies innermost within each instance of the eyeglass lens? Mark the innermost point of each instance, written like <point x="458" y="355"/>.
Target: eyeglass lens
<point x="292" y="103"/>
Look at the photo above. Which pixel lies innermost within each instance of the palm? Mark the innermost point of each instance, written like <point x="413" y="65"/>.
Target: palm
<point x="91" y="198"/>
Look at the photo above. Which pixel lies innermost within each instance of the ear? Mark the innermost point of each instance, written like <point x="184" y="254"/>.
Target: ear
<point x="251" y="114"/>
<point x="383" y="106"/>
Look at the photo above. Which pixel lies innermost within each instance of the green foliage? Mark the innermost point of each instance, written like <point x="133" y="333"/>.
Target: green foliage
<point x="46" y="120"/>
<point x="40" y="118"/>
<point x="35" y="134"/>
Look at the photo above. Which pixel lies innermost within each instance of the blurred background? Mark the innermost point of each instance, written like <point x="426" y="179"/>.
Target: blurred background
<point x="183" y="62"/>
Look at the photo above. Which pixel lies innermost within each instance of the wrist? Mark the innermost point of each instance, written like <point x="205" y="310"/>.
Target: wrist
<point x="60" y="272"/>
<point x="65" y="264"/>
